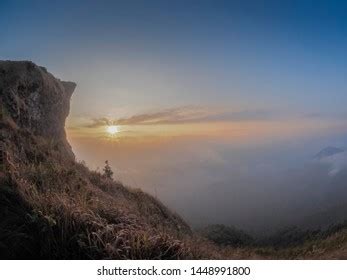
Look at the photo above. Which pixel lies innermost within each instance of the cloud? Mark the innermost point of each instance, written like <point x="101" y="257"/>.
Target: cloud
<point x="182" y="115"/>
<point x="328" y="116"/>
<point x="337" y="163"/>
<point x="98" y="122"/>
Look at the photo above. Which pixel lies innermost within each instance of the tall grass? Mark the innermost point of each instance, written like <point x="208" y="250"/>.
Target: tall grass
<point x="73" y="213"/>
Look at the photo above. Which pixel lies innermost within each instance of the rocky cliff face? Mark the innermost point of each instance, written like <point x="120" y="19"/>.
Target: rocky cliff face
<point x="54" y="207"/>
<point x="34" y="101"/>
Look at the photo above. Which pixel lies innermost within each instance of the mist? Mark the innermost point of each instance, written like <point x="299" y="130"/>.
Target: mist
<point x="258" y="185"/>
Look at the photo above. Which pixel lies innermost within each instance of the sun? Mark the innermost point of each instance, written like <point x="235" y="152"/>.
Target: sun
<point x="112" y="129"/>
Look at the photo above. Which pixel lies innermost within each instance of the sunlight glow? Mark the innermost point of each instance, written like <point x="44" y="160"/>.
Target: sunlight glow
<point x="112" y="129"/>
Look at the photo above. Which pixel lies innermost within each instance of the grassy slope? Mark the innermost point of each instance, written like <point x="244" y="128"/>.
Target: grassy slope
<point x="53" y="207"/>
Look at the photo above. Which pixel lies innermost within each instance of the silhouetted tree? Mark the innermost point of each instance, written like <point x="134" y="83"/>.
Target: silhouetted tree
<point x="108" y="173"/>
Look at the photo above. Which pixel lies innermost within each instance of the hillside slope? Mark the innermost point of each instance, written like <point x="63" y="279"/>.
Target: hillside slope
<point x="54" y="207"/>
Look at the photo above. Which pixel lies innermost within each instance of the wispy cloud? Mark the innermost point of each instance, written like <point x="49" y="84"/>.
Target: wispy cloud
<point x="182" y="115"/>
<point x="327" y="116"/>
<point x="98" y="122"/>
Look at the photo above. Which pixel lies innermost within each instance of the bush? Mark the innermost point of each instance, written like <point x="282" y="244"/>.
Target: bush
<point x="226" y="236"/>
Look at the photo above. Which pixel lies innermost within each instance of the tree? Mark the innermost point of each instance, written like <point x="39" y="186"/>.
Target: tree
<point x="108" y="173"/>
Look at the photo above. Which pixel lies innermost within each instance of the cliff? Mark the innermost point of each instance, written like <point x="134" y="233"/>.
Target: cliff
<point x="54" y="207"/>
<point x="35" y="102"/>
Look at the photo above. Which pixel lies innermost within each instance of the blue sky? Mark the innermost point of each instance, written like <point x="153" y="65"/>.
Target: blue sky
<point x="129" y="57"/>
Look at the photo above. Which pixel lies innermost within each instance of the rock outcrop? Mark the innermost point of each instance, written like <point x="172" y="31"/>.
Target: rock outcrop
<point x="34" y="101"/>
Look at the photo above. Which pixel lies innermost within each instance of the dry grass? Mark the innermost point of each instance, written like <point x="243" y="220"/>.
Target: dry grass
<point x="55" y="208"/>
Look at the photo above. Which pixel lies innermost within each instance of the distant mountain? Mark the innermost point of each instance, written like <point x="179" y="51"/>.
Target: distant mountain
<point x="328" y="152"/>
<point x="325" y="218"/>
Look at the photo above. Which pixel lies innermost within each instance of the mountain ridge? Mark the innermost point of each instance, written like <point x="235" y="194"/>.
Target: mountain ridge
<point x="328" y="152"/>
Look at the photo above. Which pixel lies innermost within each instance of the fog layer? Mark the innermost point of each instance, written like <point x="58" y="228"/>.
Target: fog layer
<point x="259" y="186"/>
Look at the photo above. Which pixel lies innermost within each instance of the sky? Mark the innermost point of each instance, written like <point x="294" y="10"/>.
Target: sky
<point x="197" y="90"/>
<point x="138" y="56"/>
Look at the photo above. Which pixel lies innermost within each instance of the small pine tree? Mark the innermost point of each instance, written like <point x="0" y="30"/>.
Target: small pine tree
<point x="108" y="173"/>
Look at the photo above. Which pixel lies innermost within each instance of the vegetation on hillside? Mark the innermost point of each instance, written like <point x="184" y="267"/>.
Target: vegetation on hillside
<point x="226" y="235"/>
